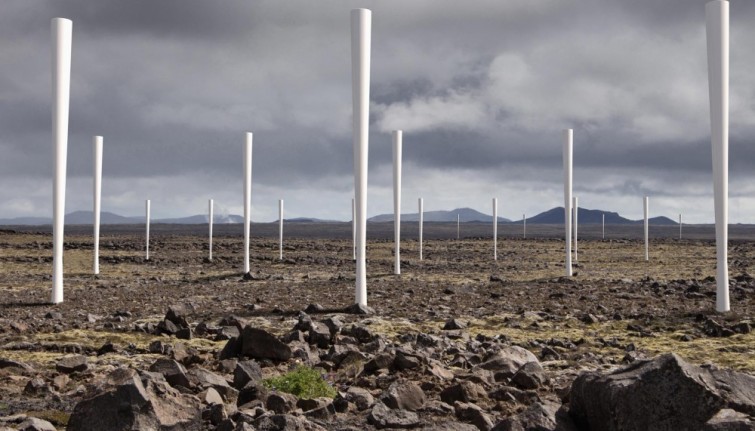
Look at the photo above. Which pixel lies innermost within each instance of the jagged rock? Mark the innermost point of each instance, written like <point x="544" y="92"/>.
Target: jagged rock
<point x="9" y="363"/>
<point x="232" y="349"/>
<point x="314" y="308"/>
<point x="359" y="309"/>
<point x="207" y="379"/>
<point x="260" y="344"/>
<point x="538" y="416"/>
<point x="184" y="334"/>
<point x="35" y="424"/>
<point x="174" y="373"/>
<point x="245" y="372"/>
<point x="226" y="333"/>
<point x="166" y="327"/>
<point x="405" y="396"/>
<point x="72" y="363"/>
<point x="529" y="376"/>
<point x="319" y="334"/>
<point x="177" y="315"/>
<point x="464" y="391"/>
<point x="360" y="397"/>
<point x="280" y="402"/>
<point x="382" y="416"/>
<point x="508" y="360"/>
<point x="36" y="386"/>
<point x="285" y="423"/>
<point x="360" y="332"/>
<point x="252" y="392"/>
<point x="381" y="361"/>
<point x="472" y="413"/>
<point x="730" y="420"/>
<point x="662" y="393"/>
<point x="406" y="361"/>
<point x="450" y="426"/>
<point x="454" y="324"/>
<point x="334" y="324"/>
<point x="130" y="404"/>
<point x="210" y="396"/>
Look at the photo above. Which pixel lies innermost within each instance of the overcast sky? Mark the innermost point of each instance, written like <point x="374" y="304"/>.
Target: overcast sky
<point x="481" y="89"/>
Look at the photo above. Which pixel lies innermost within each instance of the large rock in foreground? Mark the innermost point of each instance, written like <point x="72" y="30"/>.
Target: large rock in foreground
<point x="665" y="393"/>
<point x="128" y="403"/>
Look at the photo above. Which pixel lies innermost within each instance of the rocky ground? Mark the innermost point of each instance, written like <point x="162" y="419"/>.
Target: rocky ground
<point x="457" y="341"/>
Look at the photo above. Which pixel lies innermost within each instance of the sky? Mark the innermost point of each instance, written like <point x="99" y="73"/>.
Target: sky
<point x="481" y="89"/>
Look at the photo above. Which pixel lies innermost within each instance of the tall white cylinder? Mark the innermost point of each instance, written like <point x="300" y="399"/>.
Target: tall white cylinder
<point x="247" y="197"/>
<point x="567" y="157"/>
<point x="354" y="229"/>
<point x="495" y="228"/>
<point x="524" y="227"/>
<point x="280" y="229"/>
<point x="458" y="226"/>
<point x="61" y="89"/>
<point x="645" y="212"/>
<point x="680" y="226"/>
<point x="576" y="227"/>
<point x="604" y="226"/>
<point x="397" y="150"/>
<point x="717" y="31"/>
<point x="421" y="222"/>
<point x="96" y="199"/>
<point x="146" y="229"/>
<point x="210" y="221"/>
<point x="361" y="33"/>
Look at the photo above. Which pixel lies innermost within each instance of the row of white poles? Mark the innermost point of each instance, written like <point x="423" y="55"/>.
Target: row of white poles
<point x="717" y="30"/>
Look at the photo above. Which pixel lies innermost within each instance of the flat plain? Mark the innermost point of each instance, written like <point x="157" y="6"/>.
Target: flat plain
<point x="617" y="307"/>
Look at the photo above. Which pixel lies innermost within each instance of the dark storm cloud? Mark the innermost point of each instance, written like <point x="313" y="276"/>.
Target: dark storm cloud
<point x="477" y="87"/>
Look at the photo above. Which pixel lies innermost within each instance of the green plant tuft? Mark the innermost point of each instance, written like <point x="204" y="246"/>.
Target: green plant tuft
<point x="304" y="382"/>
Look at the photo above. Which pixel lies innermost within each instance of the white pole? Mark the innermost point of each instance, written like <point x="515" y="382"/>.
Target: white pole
<point x="397" y="144"/>
<point x="645" y="212"/>
<point x="680" y="226"/>
<point x="524" y="227"/>
<point x="280" y="229"/>
<point x="421" y="220"/>
<point x="97" y="199"/>
<point x="247" y="197"/>
<point x="717" y="31"/>
<point x="361" y="33"/>
<point x="576" y="227"/>
<point x="61" y="89"/>
<point x="568" y="138"/>
<point x="146" y="231"/>
<point x="353" y="229"/>
<point x="604" y="226"/>
<point x="210" y="221"/>
<point x="458" y="226"/>
<point x="495" y="228"/>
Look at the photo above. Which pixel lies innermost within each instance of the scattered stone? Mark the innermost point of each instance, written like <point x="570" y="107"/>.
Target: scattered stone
<point x="174" y="372"/>
<point x="280" y="402"/>
<point x="129" y="405"/>
<point x="36" y="386"/>
<point x="319" y="334"/>
<point x="359" y="309"/>
<point x="508" y="360"/>
<point x="72" y="363"/>
<point x="314" y="308"/>
<point x="530" y="376"/>
<point x="589" y="318"/>
<point x="662" y="393"/>
<point x="473" y="413"/>
<point x="464" y="391"/>
<point x="360" y="397"/>
<point x="260" y="344"/>
<point x="383" y="417"/>
<point x="283" y="423"/>
<point x="454" y="324"/>
<point x="538" y="416"/>
<point x="245" y="372"/>
<point x="405" y="396"/>
<point x="210" y="396"/>
<point x="9" y="363"/>
<point x="730" y="420"/>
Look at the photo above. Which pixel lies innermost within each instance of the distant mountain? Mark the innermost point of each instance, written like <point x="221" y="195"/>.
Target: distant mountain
<point x="588" y="216"/>
<point x="307" y="220"/>
<point x="87" y="217"/>
<point x="465" y="215"/>
<point x="32" y="221"/>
